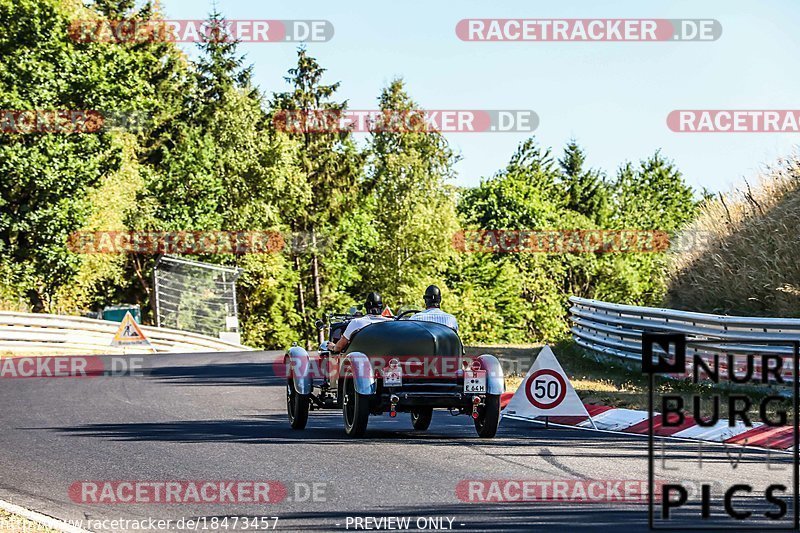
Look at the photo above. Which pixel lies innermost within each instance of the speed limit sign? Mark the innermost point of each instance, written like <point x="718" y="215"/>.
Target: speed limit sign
<point x="545" y="388"/>
<point x="545" y="392"/>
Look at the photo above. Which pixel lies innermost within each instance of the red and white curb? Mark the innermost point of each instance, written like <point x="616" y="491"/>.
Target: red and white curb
<point x="637" y="422"/>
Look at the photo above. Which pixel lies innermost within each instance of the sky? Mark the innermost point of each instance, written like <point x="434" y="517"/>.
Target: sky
<point x="613" y="98"/>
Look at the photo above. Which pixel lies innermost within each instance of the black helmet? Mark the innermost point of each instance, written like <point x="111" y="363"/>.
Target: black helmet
<point x="374" y="304"/>
<point x="432" y="296"/>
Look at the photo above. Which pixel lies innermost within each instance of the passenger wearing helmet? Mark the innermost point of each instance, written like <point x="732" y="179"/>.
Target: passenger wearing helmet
<point x="374" y="306"/>
<point x="432" y="312"/>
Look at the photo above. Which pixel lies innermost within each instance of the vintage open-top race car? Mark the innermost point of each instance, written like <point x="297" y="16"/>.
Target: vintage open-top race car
<point x="399" y="365"/>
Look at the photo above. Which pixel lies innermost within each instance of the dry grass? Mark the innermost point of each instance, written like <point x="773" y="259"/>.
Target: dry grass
<point x="513" y="383"/>
<point x="8" y="353"/>
<point x="10" y="523"/>
<point x="745" y="258"/>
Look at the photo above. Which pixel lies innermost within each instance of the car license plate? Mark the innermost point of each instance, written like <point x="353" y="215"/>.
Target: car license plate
<point x="475" y="381"/>
<point x="393" y="377"/>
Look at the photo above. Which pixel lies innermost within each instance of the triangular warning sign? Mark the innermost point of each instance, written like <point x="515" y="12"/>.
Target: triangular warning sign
<point x="545" y="391"/>
<point x="387" y="312"/>
<point x="129" y="333"/>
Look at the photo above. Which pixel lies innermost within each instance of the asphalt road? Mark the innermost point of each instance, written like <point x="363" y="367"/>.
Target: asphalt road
<point x="222" y="417"/>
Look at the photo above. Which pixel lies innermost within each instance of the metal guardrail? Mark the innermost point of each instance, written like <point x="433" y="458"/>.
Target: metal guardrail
<point x="616" y="329"/>
<point x="37" y="332"/>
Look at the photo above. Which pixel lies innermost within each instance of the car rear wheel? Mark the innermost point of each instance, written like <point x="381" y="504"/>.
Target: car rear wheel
<point x="297" y="406"/>
<point x="488" y="417"/>
<point x="355" y="408"/>
<point x="421" y="418"/>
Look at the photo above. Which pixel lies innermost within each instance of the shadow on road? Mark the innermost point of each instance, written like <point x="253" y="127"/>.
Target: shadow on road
<point x="241" y="374"/>
<point x="482" y="517"/>
<point x="326" y="429"/>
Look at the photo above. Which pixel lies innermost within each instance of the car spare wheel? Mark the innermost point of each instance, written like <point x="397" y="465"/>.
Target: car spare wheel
<point x="488" y="416"/>
<point x="355" y="407"/>
<point x="421" y="417"/>
<point x="297" y="406"/>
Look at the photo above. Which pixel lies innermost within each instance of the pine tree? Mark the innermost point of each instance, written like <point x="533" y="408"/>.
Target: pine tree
<point x="328" y="165"/>
<point x="586" y="192"/>
<point x="114" y="9"/>
<point x="221" y="69"/>
<point x="653" y="195"/>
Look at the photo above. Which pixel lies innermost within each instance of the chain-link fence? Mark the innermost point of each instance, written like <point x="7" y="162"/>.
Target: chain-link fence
<point x="198" y="297"/>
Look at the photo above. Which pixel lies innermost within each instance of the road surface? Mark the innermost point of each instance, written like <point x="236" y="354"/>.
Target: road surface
<point x="222" y="417"/>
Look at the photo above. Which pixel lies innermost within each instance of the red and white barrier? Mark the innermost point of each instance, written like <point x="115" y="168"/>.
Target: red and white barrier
<point x="637" y="422"/>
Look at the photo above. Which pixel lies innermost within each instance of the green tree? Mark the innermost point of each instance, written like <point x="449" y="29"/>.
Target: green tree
<point x="222" y="166"/>
<point x="653" y="195"/>
<point x="586" y="207"/>
<point x="586" y="191"/>
<point x="328" y="167"/>
<point x="221" y="70"/>
<point x="524" y="196"/>
<point x="486" y="298"/>
<point x="650" y="196"/>
<point x="414" y="212"/>
<point x="114" y="9"/>
<point x="54" y="184"/>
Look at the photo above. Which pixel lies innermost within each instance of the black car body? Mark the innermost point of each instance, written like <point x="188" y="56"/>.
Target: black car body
<point x="392" y="367"/>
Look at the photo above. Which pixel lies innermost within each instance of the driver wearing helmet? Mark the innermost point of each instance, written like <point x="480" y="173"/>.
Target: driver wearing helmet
<point x="432" y="312"/>
<point x="374" y="306"/>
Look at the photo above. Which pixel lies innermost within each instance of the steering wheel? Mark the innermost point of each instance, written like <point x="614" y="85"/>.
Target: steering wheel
<point x="407" y="312"/>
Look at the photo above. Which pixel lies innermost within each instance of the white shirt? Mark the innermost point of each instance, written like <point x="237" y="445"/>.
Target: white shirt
<point x="434" y="314"/>
<point x="359" y="323"/>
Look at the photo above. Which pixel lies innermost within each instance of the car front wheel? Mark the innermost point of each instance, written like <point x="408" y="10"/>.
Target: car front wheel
<point x="355" y="408"/>
<point x="421" y="418"/>
<point x="488" y="417"/>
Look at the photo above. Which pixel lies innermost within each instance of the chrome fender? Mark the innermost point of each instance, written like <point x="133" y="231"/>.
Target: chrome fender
<point x="299" y="364"/>
<point x="365" y="382"/>
<point x="495" y="382"/>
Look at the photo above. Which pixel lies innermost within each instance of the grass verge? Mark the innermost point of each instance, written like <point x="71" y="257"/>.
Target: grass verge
<point x="17" y="524"/>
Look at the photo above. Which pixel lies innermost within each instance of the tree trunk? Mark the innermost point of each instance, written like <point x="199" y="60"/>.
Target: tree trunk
<point x="301" y="291"/>
<point x="301" y="298"/>
<point x="315" y="278"/>
<point x="138" y="269"/>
